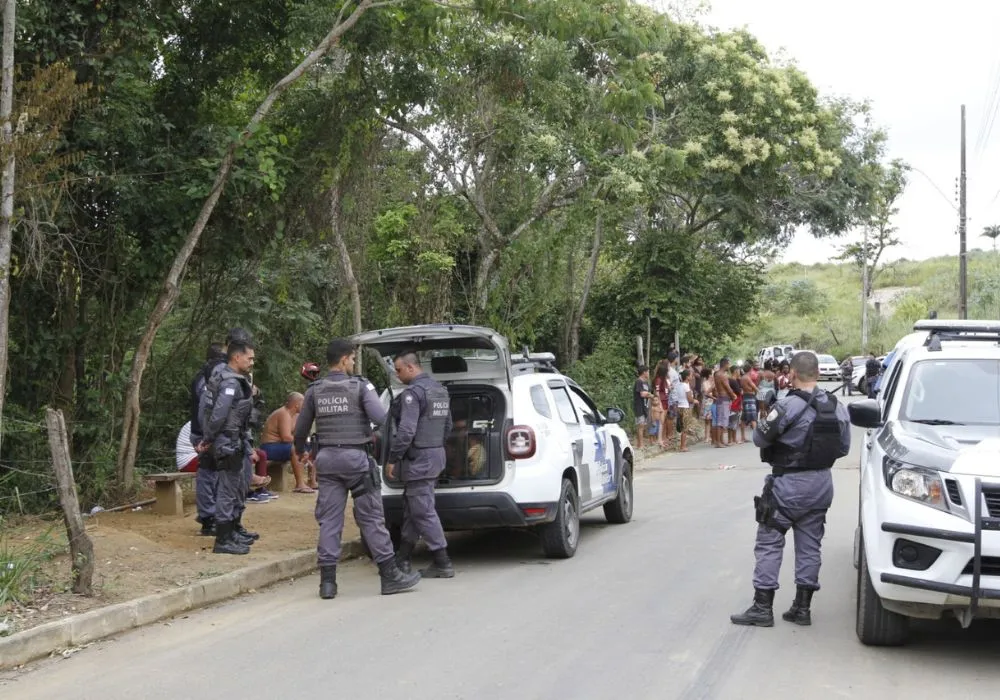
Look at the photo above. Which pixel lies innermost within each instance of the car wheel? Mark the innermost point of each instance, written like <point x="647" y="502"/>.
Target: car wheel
<point x="561" y="537"/>
<point x="619" y="511"/>
<point x="876" y="626"/>
<point x="863" y="385"/>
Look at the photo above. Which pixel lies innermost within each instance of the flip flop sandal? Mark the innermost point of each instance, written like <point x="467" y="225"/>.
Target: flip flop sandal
<point x="303" y="489"/>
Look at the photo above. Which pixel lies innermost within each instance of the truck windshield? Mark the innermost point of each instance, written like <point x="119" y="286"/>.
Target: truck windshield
<point x="958" y="391"/>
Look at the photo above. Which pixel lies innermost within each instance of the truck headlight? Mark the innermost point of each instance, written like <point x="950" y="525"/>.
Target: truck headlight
<point x="915" y="483"/>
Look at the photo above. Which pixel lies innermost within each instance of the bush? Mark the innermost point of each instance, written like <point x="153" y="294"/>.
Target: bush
<point x="607" y="374"/>
<point x="21" y="568"/>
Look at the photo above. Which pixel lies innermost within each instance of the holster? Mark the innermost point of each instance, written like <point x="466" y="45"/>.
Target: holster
<point x="231" y="463"/>
<point x="765" y="506"/>
<point x="374" y="473"/>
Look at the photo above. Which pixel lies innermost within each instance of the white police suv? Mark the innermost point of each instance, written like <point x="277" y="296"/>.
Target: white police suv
<point x="928" y="536"/>
<point x="529" y="448"/>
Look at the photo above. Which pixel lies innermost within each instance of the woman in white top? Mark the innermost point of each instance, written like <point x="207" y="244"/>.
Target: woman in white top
<point x="682" y="398"/>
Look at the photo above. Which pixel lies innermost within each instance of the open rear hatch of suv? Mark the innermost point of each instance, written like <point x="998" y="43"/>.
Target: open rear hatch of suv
<point x="474" y="364"/>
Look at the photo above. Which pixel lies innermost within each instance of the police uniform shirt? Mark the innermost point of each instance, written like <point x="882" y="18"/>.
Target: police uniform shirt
<point x="794" y="416"/>
<point x="305" y="423"/>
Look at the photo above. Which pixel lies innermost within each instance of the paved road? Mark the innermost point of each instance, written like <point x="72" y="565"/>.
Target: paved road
<point x="640" y="612"/>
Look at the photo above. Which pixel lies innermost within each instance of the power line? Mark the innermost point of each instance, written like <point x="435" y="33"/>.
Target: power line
<point x="934" y="185"/>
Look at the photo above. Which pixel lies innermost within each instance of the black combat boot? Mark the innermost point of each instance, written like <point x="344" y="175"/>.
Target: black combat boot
<point x="225" y="543"/>
<point x="207" y="526"/>
<point x="760" y="614"/>
<point x="403" y="555"/>
<point x="243" y="532"/>
<point x="394" y="580"/>
<point x="799" y="612"/>
<point x="441" y="568"/>
<point x="327" y="582"/>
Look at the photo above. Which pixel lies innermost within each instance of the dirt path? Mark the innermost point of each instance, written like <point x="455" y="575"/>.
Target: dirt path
<point x="139" y="552"/>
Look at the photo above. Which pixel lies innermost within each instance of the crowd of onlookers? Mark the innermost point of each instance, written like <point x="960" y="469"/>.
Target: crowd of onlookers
<point x="685" y="392"/>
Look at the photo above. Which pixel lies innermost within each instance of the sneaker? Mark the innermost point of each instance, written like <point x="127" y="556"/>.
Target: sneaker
<point x="270" y="494"/>
<point x="257" y="498"/>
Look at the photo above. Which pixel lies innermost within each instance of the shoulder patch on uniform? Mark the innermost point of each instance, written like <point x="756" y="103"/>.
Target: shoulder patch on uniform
<point x="773" y="415"/>
<point x="230" y="392"/>
<point x="371" y="387"/>
<point x="408" y="399"/>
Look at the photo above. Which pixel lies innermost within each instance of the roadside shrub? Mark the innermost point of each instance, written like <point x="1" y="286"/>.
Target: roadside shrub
<point x="21" y="568"/>
<point x="607" y="374"/>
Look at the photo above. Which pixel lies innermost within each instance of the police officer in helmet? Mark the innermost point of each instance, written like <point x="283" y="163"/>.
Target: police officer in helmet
<point x="226" y="405"/>
<point x="423" y="422"/>
<point x="801" y="438"/>
<point x="344" y="407"/>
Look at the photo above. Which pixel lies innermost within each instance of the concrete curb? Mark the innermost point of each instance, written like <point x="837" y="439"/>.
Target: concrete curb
<point x="77" y="630"/>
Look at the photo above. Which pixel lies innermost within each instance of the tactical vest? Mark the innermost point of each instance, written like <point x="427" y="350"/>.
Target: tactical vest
<point x="237" y="422"/>
<point x="340" y="417"/>
<point x="822" y="443"/>
<point x="435" y="409"/>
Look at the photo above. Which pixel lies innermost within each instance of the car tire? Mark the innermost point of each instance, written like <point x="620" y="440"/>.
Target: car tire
<point x="619" y="511"/>
<point x="561" y="537"/>
<point x="876" y="626"/>
<point x="863" y="385"/>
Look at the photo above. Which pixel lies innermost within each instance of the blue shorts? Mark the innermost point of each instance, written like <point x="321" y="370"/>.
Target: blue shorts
<point x="277" y="451"/>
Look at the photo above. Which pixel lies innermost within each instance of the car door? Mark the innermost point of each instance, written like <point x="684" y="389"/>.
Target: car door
<point x="602" y="462"/>
<point x="581" y="444"/>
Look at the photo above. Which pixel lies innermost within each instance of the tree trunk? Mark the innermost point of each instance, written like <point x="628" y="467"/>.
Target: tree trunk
<point x="347" y="267"/>
<point x="588" y="283"/>
<point x="66" y="384"/>
<point x="7" y="185"/>
<point x="483" y="273"/>
<point x="171" y="285"/>
<point x="81" y="549"/>
<point x="570" y="300"/>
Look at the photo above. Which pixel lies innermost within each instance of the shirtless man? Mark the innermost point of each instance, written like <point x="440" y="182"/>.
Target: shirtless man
<point x="276" y="438"/>
<point x="724" y="396"/>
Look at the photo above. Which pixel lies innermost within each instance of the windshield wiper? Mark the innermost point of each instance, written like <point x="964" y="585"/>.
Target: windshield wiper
<point x="937" y="421"/>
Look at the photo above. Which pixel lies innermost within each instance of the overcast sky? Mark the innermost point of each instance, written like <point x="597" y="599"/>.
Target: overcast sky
<point x="917" y="62"/>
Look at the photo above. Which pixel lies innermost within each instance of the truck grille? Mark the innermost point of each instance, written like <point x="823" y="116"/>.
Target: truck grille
<point x="992" y="503"/>
<point x="953" y="491"/>
<point x="990" y="567"/>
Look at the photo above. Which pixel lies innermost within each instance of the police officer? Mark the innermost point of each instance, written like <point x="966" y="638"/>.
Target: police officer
<point x="344" y="407"/>
<point x="238" y="335"/>
<point x="206" y="477"/>
<point x="801" y="438"/>
<point x="225" y="419"/>
<point x="423" y="421"/>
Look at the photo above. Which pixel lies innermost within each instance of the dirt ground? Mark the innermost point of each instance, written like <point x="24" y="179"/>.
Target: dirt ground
<point x="139" y="552"/>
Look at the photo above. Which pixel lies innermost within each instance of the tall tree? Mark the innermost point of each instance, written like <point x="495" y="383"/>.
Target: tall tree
<point x="171" y="285"/>
<point x="890" y="182"/>
<point x="7" y="187"/>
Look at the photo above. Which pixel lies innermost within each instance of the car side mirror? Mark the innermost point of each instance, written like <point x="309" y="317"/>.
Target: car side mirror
<point x="865" y="413"/>
<point x="614" y="415"/>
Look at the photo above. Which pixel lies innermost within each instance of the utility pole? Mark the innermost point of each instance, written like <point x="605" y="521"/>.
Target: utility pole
<point x="864" y="292"/>
<point x="963" y="310"/>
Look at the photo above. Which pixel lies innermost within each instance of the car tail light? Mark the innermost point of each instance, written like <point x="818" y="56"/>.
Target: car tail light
<point x="521" y="442"/>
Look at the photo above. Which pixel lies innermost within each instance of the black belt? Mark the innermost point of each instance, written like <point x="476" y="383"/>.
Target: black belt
<point x="781" y="471"/>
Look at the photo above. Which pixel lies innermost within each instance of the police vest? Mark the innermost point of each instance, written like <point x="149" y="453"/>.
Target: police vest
<point x="821" y="447"/>
<point x="435" y="409"/>
<point x="238" y="419"/>
<point x="340" y="417"/>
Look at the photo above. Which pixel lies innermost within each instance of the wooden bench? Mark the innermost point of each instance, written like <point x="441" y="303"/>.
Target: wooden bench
<point x="280" y="473"/>
<point x="168" y="492"/>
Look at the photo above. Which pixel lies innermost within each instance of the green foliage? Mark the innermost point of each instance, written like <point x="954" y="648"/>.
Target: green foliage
<point x="917" y="287"/>
<point x="696" y="151"/>
<point x="21" y="567"/>
<point x="608" y="373"/>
